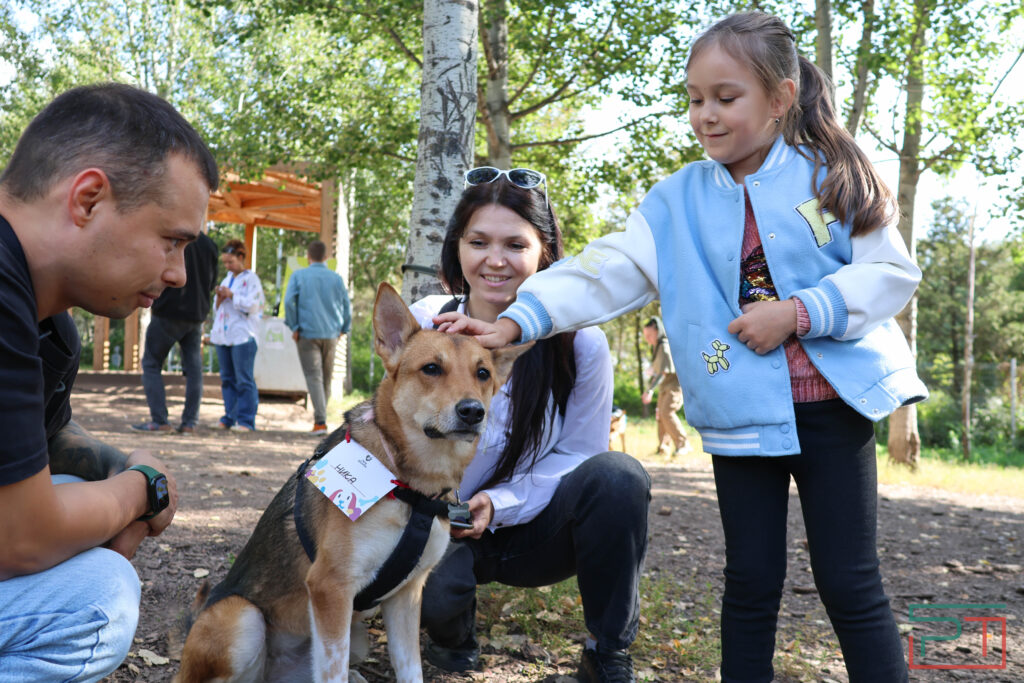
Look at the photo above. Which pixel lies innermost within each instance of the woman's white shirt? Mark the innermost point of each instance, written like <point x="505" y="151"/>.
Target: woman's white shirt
<point x="236" y="320"/>
<point x="568" y="440"/>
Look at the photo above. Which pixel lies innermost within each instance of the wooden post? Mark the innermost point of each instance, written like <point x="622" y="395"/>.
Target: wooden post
<point x="101" y="343"/>
<point x="131" y="342"/>
<point x="328" y="224"/>
<point x="250" y="245"/>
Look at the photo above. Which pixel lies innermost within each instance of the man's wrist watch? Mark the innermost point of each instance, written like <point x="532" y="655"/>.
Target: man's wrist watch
<point x="156" y="491"/>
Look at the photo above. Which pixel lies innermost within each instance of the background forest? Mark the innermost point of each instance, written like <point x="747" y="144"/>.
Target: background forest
<point x="592" y="94"/>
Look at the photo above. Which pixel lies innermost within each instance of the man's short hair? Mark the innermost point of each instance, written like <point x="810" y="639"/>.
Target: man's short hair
<point x="125" y="131"/>
<point x="317" y="251"/>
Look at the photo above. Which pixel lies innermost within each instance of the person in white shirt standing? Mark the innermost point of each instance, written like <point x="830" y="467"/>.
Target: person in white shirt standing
<point x="238" y="308"/>
<point x="546" y="499"/>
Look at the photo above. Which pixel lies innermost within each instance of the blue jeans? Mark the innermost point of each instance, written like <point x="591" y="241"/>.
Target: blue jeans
<point x="237" y="385"/>
<point x="595" y="528"/>
<point x="71" y="622"/>
<point x="836" y="479"/>
<point x="161" y="335"/>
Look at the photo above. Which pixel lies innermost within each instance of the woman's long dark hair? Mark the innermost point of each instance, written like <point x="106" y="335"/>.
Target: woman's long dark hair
<point x="548" y="370"/>
<point x="853" y="190"/>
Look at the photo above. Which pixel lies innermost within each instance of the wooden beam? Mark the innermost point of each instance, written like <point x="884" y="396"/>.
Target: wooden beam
<point x="250" y="245"/>
<point x="131" y="342"/>
<point x="100" y="343"/>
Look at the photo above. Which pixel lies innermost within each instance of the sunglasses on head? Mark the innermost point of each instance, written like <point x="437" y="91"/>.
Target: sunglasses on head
<point x="228" y="250"/>
<point x="525" y="178"/>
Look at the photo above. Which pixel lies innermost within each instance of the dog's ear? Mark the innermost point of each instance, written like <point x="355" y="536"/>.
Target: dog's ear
<point x="504" y="358"/>
<point x="393" y="324"/>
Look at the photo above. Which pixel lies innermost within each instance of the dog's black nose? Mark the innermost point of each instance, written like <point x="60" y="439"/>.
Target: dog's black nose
<point x="470" y="410"/>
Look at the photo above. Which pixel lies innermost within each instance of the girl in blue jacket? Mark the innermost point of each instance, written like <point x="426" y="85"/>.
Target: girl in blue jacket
<point x="779" y="269"/>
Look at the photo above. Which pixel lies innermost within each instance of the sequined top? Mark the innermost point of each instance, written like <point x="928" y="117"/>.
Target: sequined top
<point x="756" y="285"/>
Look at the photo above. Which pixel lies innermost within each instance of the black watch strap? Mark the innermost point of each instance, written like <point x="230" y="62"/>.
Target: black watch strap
<point x="156" y="490"/>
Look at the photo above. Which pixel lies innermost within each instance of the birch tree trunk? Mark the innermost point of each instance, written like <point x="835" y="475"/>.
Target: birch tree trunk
<point x="860" y="83"/>
<point x="823" y="40"/>
<point x="496" y="113"/>
<point x="965" y="397"/>
<point x="904" y="438"/>
<point x="448" y="100"/>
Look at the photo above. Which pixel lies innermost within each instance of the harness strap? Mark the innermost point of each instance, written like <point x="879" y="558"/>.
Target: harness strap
<point x="407" y="552"/>
<point x="300" y="525"/>
<point x="403" y="558"/>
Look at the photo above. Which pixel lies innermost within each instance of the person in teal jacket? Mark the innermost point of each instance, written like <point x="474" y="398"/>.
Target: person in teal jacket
<point x="779" y="269"/>
<point x="318" y="312"/>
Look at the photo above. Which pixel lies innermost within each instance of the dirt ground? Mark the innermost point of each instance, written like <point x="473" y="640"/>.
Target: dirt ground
<point x="936" y="547"/>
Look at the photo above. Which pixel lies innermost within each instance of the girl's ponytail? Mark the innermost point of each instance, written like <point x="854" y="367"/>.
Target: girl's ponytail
<point x="853" y="190"/>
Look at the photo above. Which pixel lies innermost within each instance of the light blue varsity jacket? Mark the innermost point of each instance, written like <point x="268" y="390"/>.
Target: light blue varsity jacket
<point x="683" y="244"/>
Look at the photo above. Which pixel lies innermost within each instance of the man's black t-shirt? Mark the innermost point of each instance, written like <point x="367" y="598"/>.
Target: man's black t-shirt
<point x="38" y="365"/>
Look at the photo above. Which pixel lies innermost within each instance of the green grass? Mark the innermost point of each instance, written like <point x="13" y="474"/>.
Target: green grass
<point x="678" y="636"/>
<point x="992" y="471"/>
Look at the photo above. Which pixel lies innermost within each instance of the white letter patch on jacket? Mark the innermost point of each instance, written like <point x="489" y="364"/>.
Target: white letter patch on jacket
<point x="818" y="220"/>
<point x="589" y="262"/>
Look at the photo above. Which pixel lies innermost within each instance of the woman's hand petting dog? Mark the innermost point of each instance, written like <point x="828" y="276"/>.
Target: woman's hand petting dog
<point x="481" y="512"/>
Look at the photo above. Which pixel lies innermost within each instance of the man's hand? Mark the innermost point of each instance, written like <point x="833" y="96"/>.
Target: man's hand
<point x="490" y="335"/>
<point x="295" y="335"/>
<point x="481" y="512"/>
<point x="156" y="525"/>
<point x="129" y="539"/>
<point x="765" y="324"/>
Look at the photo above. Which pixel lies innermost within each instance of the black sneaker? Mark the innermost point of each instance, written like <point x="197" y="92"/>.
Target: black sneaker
<point x="463" y="658"/>
<point x="606" y="666"/>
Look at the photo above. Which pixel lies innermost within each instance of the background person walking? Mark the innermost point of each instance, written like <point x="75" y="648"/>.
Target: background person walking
<point x="178" y="317"/>
<point x="317" y="311"/>
<point x="670" y="394"/>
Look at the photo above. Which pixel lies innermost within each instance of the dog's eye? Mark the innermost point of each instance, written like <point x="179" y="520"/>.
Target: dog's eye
<point x="431" y="369"/>
<point x="483" y="374"/>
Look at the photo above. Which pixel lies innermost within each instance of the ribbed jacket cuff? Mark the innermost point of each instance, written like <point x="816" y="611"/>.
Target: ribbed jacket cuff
<point x="530" y="315"/>
<point x="826" y="309"/>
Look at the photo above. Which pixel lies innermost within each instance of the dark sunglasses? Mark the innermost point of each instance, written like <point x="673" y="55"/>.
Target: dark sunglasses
<point x="228" y="250"/>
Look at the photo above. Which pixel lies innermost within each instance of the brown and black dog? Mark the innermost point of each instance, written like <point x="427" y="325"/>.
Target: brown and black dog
<point x="280" y="616"/>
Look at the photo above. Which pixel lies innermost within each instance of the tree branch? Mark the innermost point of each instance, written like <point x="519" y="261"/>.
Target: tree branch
<point x="584" y="138"/>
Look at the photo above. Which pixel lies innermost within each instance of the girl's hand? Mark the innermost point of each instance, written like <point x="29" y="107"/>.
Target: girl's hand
<point x="491" y="335"/>
<point x="765" y="324"/>
<point x="646" y="397"/>
<point x="481" y="512"/>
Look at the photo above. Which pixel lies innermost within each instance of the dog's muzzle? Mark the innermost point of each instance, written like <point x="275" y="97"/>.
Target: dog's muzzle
<point x="467" y="422"/>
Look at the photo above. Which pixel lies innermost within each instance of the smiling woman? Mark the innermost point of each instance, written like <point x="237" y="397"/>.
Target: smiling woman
<point x="541" y="463"/>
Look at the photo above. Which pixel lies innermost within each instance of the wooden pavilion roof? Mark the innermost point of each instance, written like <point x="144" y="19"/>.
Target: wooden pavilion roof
<point x="278" y="200"/>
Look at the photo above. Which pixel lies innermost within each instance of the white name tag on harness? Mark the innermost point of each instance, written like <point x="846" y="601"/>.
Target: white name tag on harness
<point x="351" y="478"/>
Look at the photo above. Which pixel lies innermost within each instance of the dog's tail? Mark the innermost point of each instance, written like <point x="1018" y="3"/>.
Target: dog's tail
<point x="179" y="632"/>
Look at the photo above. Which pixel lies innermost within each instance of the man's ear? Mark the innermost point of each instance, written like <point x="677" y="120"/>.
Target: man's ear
<point x="88" y="188"/>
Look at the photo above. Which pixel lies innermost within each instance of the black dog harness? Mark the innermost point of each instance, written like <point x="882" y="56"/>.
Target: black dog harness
<point x="407" y="552"/>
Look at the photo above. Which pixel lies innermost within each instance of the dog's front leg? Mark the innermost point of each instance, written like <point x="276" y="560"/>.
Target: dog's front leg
<point x="401" y="613"/>
<point x="330" y="617"/>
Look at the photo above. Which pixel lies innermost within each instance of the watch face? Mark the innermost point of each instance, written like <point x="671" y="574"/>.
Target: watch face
<point x="162" y="496"/>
